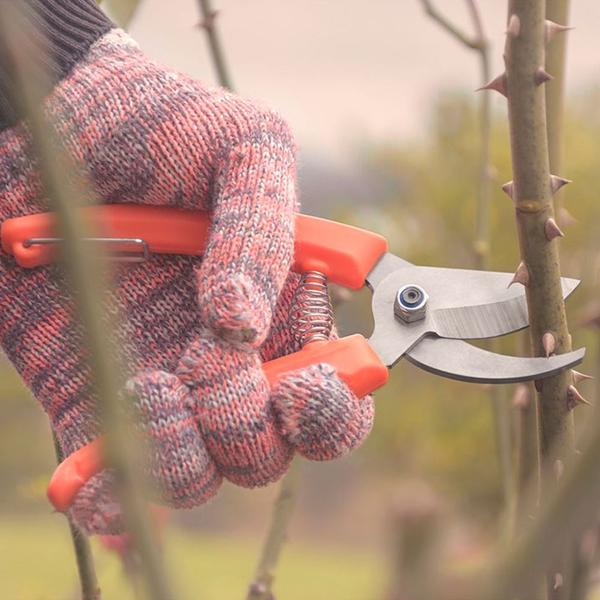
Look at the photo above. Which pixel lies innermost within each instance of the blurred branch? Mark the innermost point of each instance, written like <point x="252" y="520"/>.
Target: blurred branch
<point x="209" y="16"/>
<point x="558" y="12"/>
<point x="586" y="557"/>
<point x="527" y="453"/>
<point x="481" y="244"/>
<point x="482" y="229"/>
<point x="479" y="43"/>
<point x="90" y="589"/>
<point x="527" y="470"/>
<point x="475" y="42"/>
<point x="570" y="509"/>
<point x="87" y="276"/>
<point x="414" y="524"/>
<point x="283" y="509"/>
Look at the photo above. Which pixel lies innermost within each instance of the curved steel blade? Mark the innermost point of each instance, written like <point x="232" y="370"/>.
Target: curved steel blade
<point x="493" y="309"/>
<point x="506" y="315"/>
<point x="463" y="303"/>
<point x="460" y="360"/>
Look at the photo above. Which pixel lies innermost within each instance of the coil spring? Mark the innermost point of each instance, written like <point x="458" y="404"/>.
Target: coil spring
<point x="312" y="313"/>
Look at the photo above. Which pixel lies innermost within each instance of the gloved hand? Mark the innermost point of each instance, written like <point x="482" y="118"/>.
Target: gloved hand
<point x="193" y="329"/>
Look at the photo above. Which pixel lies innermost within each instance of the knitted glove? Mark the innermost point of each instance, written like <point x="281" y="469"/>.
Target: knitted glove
<point x="318" y="414"/>
<point x="191" y="326"/>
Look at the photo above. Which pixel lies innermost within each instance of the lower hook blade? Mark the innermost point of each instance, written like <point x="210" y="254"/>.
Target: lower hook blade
<point x="457" y="359"/>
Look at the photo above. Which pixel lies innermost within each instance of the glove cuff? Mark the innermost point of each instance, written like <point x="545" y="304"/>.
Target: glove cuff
<point x="58" y="34"/>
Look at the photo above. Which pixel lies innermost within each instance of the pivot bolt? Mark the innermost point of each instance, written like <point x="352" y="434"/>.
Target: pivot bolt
<point x="411" y="303"/>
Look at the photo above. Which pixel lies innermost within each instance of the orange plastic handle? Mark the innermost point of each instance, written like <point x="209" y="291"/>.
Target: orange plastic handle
<point x="354" y="360"/>
<point x="166" y="230"/>
<point x="344" y="253"/>
<point x="72" y="474"/>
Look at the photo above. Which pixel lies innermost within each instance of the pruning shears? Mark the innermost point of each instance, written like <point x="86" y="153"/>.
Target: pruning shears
<point x="424" y="314"/>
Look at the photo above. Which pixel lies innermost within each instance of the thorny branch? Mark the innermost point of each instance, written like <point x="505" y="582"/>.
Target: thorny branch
<point x="539" y="270"/>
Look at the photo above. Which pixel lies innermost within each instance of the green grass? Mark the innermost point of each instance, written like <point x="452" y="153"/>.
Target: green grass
<point x="36" y="563"/>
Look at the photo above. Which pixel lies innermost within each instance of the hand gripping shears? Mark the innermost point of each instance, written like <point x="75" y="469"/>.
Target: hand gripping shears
<point x="422" y="313"/>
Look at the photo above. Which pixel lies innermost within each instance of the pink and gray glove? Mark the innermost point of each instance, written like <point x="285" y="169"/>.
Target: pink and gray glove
<point x="195" y="330"/>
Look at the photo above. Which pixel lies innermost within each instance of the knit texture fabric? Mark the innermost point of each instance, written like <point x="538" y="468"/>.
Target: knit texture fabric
<point x="55" y="35"/>
<point x="193" y="330"/>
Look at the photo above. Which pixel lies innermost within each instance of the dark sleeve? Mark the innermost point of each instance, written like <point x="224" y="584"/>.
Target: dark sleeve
<point x="60" y="32"/>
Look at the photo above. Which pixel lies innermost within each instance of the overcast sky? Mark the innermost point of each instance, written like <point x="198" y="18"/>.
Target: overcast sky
<point x="345" y="69"/>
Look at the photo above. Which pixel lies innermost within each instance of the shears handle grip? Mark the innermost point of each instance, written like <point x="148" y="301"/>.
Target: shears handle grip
<point x="343" y="253"/>
<point x="354" y="360"/>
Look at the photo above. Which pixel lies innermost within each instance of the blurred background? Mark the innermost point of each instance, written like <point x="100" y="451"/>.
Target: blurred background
<point x="383" y="106"/>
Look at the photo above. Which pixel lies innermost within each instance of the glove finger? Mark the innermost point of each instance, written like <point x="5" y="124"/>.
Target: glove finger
<point x="95" y="509"/>
<point x="319" y="414"/>
<point x="234" y="308"/>
<point x="180" y="467"/>
<point x="251" y="243"/>
<point x="234" y="412"/>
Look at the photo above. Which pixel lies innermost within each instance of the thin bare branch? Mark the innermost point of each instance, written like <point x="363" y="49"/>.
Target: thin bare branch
<point x="209" y="16"/>
<point x="481" y="242"/>
<point x="477" y="22"/>
<point x="90" y="590"/>
<point x="283" y="510"/>
<point x="453" y="30"/>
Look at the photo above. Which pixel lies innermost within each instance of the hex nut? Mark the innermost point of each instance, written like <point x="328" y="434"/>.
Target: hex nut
<point x="411" y="303"/>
